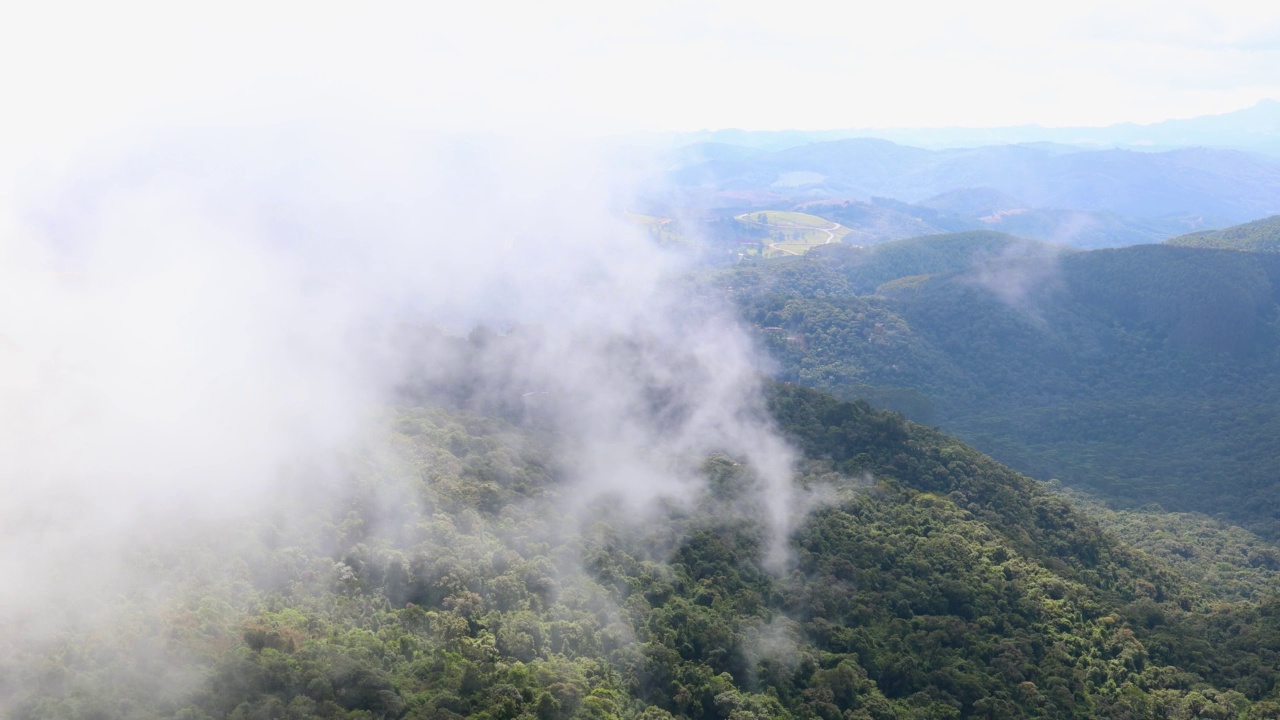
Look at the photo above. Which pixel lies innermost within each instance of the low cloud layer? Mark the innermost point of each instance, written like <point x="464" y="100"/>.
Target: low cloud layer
<point x="187" y="320"/>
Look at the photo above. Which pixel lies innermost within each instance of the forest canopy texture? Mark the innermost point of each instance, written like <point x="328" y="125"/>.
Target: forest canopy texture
<point x="1146" y="374"/>
<point x="925" y="581"/>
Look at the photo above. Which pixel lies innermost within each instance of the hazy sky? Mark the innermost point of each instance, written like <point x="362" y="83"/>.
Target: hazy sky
<point x="72" y="68"/>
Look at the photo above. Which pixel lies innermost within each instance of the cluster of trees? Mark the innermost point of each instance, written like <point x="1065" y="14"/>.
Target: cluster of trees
<point x="1228" y="562"/>
<point x="445" y="579"/>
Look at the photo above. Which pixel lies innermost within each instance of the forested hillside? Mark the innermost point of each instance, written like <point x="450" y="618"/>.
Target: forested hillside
<point x="970" y="209"/>
<point x="449" y="579"/>
<point x="1146" y="374"/>
<point x="1258" y="236"/>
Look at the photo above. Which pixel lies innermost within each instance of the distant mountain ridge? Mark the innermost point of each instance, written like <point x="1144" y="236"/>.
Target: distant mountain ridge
<point x="884" y="191"/>
<point x="1085" y="187"/>
<point x="1231" y="185"/>
<point x="1255" y="129"/>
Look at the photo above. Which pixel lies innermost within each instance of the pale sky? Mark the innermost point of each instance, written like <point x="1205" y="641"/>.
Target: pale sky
<point x="74" y="69"/>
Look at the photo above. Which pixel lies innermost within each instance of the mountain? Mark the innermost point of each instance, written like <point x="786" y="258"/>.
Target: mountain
<point x="1258" y="236"/>
<point x="967" y="209"/>
<point x="1083" y="198"/>
<point x="924" y="581"/>
<point x="871" y="222"/>
<point x="1254" y="129"/>
<point x="1145" y="374"/>
<point x="1251" y="129"/>
<point x="1212" y="183"/>
<point x="971" y="202"/>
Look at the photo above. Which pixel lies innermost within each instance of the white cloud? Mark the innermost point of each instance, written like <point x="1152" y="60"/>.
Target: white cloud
<point x="75" y="69"/>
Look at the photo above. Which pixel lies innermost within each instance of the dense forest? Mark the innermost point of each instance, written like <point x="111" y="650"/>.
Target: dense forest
<point x="1144" y="374"/>
<point x="445" y="579"/>
<point x="1258" y="236"/>
<point x="1122" y="563"/>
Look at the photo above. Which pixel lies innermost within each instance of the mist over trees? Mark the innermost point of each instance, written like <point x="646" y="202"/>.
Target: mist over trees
<point x="301" y="423"/>
<point x="399" y="361"/>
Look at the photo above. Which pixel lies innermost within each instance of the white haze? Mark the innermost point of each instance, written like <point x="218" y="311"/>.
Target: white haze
<point x="186" y="318"/>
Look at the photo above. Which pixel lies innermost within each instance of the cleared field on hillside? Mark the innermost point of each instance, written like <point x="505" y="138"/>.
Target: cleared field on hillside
<point x="793" y="233"/>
